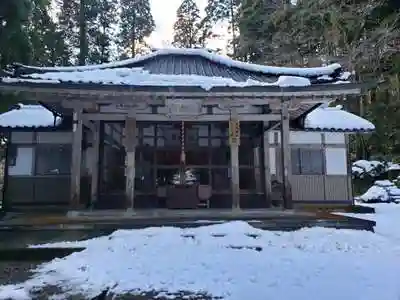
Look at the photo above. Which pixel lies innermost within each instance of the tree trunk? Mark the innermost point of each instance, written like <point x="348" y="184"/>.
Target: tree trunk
<point x="103" y="48"/>
<point x="82" y="34"/>
<point x="133" y="38"/>
<point x="233" y="29"/>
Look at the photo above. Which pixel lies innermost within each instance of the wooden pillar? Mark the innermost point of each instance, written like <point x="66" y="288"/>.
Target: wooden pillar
<point x="76" y="167"/>
<point x="234" y="141"/>
<point x="257" y="171"/>
<point x="350" y="195"/>
<point x="130" y="145"/>
<point x="95" y="163"/>
<point x="286" y="155"/>
<point x="267" y="167"/>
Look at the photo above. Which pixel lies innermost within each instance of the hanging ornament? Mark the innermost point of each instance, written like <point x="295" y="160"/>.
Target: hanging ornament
<point x="183" y="154"/>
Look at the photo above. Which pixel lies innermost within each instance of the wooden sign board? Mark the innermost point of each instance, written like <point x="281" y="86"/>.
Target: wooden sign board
<point x="234" y="132"/>
<point x="183" y="107"/>
<point x="125" y="108"/>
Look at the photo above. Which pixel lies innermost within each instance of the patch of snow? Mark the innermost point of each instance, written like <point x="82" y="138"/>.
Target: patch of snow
<point x="11" y="292"/>
<point x="357" y="171"/>
<point x="387" y="218"/>
<point x="334" y="118"/>
<point x="290" y="265"/>
<point x="373" y="168"/>
<point x="29" y="116"/>
<point x="368" y="165"/>
<point x="381" y="191"/>
<point x="286" y="81"/>
<point x="374" y="194"/>
<point x="17" y="80"/>
<point x="273" y="70"/>
<point x="325" y="77"/>
<point x="140" y="77"/>
<point x="346" y="75"/>
<point x="384" y="183"/>
<point x="341" y="82"/>
<point x="393" y="166"/>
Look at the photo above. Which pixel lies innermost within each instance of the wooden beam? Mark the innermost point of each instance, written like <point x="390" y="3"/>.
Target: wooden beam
<point x="84" y="105"/>
<point x="267" y="167"/>
<point x="255" y="99"/>
<point x="234" y="131"/>
<point x="273" y="102"/>
<point x="208" y="99"/>
<point x="88" y="124"/>
<point x="76" y="167"/>
<point x="130" y="145"/>
<point x="164" y="118"/>
<point x="95" y="163"/>
<point x="325" y="90"/>
<point x="286" y="156"/>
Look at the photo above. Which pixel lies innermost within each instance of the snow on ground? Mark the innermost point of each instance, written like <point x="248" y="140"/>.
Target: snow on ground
<point x="387" y="218"/>
<point x="381" y="191"/>
<point x="315" y="263"/>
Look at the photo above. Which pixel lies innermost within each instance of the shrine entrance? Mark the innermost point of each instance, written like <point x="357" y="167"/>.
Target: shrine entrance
<point x="180" y="164"/>
<point x="186" y="162"/>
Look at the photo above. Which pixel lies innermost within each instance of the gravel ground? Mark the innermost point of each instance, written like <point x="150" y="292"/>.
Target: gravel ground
<point x="15" y="272"/>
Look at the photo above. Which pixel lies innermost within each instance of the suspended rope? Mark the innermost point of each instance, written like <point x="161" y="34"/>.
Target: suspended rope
<point x="183" y="155"/>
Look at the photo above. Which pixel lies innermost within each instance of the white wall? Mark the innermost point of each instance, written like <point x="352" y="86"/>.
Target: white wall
<point x="336" y="161"/>
<point x="24" y="162"/>
<point x="298" y="137"/>
<point x="335" y="138"/>
<point x="54" y="137"/>
<point x="272" y="160"/>
<point x="22" y="137"/>
<point x="335" y="158"/>
<point x="306" y="137"/>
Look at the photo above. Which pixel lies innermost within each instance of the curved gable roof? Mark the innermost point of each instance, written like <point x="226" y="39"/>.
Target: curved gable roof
<point x="29" y="116"/>
<point x="199" y="62"/>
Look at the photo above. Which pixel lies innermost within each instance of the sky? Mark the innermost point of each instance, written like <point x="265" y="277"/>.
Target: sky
<point x="164" y="14"/>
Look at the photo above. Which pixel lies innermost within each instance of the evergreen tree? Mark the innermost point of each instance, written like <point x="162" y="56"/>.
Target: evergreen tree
<point x="46" y="42"/>
<point x="15" y="44"/>
<point x="218" y="11"/>
<point x="14" y="37"/>
<point x="103" y="14"/>
<point x="83" y="32"/>
<point x="188" y="26"/>
<point x="362" y="35"/>
<point x="137" y="23"/>
<point x="68" y="29"/>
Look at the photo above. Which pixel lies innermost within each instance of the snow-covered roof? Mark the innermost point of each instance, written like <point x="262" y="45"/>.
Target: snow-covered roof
<point x="336" y="119"/>
<point x="29" y="116"/>
<point x="220" y="59"/>
<point x="140" y="77"/>
<point x="180" y="67"/>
